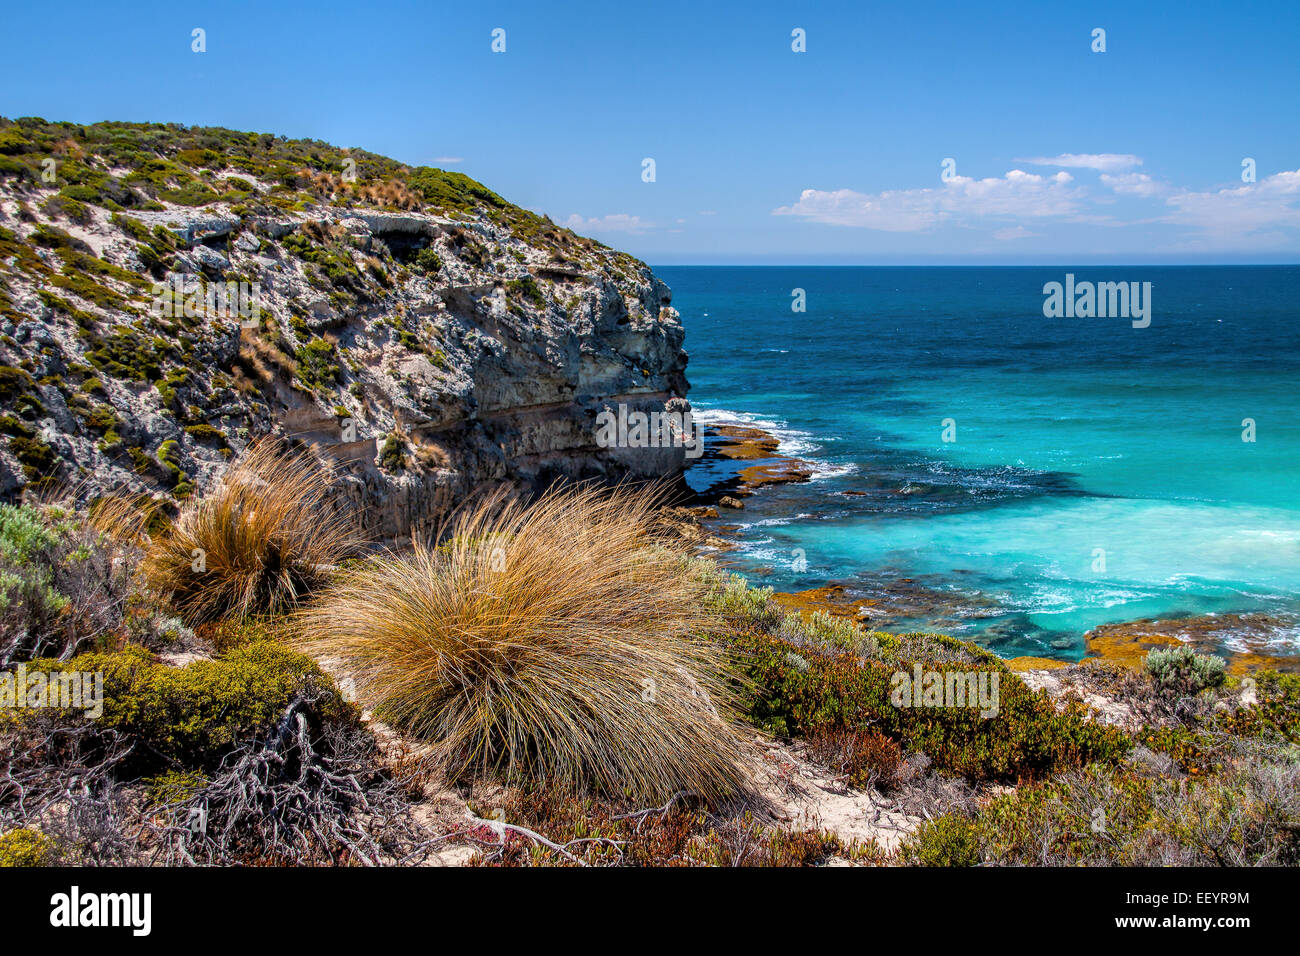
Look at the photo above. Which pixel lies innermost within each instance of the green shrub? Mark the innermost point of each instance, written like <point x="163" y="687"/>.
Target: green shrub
<point x="62" y="582"/>
<point x="1247" y="813"/>
<point x="1276" y="715"/>
<point x="38" y="459"/>
<point x="452" y="191"/>
<point x="729" y="596"/>
<point x="205" y="432"/>
<point x="949" y="840"/>
<point x="132" y="227"/>
<point x="60" y="240"/>
<point x="14" y="382"/>
<point x="318" y="368"/>
<point x="23" y="534"/>
<point x="25" y="847"/>
<point x="1181" y="670"/>
<point x="127" y="353"/>
<point x="86" y="288"/>
<point x="392" y="456"/>
<point x="427" y="260"/>
<point x="66" y="207"/>
<point x="526" y="288"/>
<point x="169" y="459"/>
<point x="173" y="786"/>
<point x="193" y="716"/>
<point x="12" y="426"/>
<point x="816" y="675"/>
<point x="151" y="260"/>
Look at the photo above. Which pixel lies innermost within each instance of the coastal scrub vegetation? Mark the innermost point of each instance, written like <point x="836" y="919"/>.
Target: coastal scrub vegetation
<point x="65" y="583"/>
<point x="200" y="166"/>
<point x="590" y="692"/>
<point x="1139" y="815"/>
<point x="823" y="675"/>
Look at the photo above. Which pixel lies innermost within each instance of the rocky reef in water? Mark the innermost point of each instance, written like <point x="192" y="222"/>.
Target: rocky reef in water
<point x="422" y="333"/>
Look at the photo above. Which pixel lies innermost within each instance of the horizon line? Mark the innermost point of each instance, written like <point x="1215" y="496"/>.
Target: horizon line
<point x="967" y="265"/>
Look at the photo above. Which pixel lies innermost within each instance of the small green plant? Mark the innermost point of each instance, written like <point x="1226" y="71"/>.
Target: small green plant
<point x="813" y="676"/>
<point x="39" y="460"/>
<point x="392" y="456"/>
<point x="63" y="581"/>
<point x="318" y="368"/>
<point x="526" y="288"/>
<point x="14" y="382"/>
<point x="1181" y="670"/>
<point x="202" y="431"/>
<point x="25" y="847"/>
<point x="169" y="459"/>
<point x="426" y="260"/>
<point x="950" y="840"/>
<point x="23" y="533"/>
<point x="1243" y="813"/>
<point x="173" y="786"/>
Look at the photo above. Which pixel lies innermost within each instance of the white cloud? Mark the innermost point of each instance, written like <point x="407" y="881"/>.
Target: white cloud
<point x="615" y="222"/>
<point x="1104" y="162"/>
<point x="913" y="210"/>
<point x="1238" y="211"/>
<point x="451" y="160"/>
<point x="1013" y="232"/>
<point x="1134" y="184"/>
<point x="1263" y="215"/>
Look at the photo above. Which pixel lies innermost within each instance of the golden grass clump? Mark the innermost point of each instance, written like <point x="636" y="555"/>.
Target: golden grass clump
<point x="124" y="518"/>
<point x="556" y="643"/>
<point x="258" y="542"/>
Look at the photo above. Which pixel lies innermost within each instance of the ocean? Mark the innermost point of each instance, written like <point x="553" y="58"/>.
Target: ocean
<point x="989" y="472"/>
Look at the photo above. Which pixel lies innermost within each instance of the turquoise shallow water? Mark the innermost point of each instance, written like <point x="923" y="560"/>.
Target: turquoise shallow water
<point x="1077" y="440"/>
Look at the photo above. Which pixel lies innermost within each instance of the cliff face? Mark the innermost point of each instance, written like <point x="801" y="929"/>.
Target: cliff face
<point x="411" y="325"/>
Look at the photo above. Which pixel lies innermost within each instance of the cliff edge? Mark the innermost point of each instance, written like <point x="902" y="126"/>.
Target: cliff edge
<point x="169" y="293"/>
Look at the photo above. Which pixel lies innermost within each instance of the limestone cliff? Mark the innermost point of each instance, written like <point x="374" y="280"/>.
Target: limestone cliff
<point x="412" y="325"/>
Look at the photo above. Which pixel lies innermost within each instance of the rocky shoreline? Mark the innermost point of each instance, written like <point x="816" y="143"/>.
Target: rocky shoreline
<point x="1244" y="640"/>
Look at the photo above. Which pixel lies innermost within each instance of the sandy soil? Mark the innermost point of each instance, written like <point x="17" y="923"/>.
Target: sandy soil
<point x="807" y="797"/>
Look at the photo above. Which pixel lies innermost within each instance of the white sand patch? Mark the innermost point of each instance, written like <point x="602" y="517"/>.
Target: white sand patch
<point x="807" y="797"/>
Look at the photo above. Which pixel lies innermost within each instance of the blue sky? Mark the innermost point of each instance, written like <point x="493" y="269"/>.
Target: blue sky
<point x="762" y="155"/>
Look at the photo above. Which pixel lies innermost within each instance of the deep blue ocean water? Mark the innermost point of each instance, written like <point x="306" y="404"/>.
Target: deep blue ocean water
<point x="1098" y="473"/>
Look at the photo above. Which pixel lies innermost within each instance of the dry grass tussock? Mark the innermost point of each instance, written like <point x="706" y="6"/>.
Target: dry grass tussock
<point x="557" y="642"/>
<point x="258" y="542"/>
